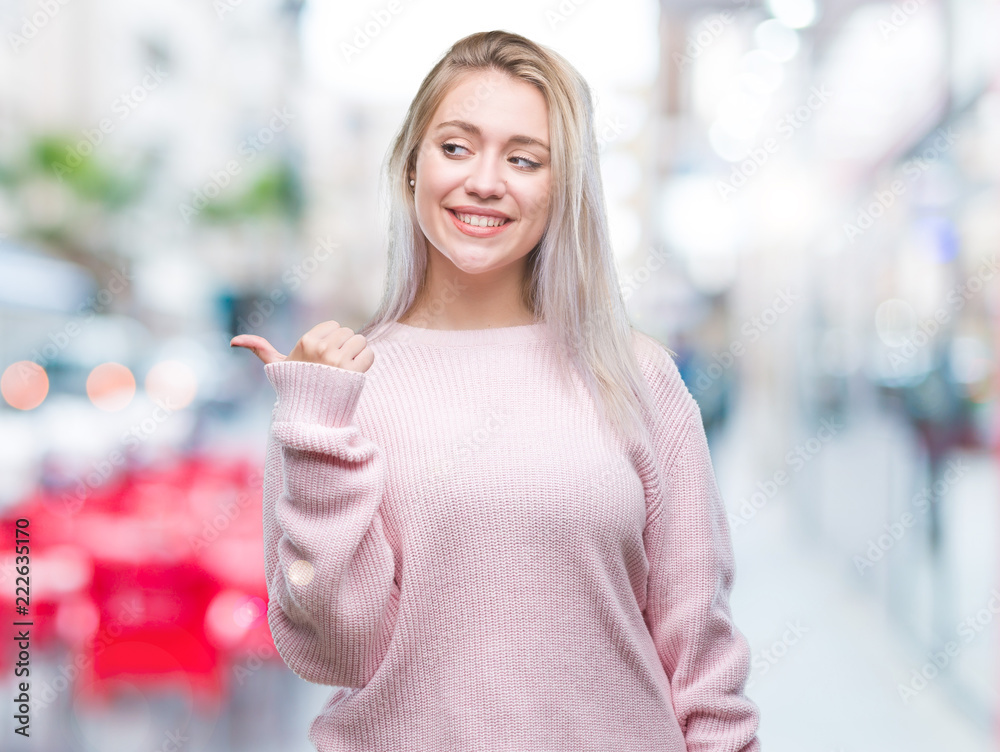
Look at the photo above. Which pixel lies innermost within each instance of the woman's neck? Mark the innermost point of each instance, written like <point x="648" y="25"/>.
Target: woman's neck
<point x="452" y="319"/>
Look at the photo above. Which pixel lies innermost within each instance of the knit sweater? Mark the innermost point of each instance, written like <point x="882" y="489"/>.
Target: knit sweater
<point x="454" y="542"/>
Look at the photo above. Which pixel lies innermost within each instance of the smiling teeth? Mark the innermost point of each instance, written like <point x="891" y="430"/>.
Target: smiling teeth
<point x="478" y="220"/>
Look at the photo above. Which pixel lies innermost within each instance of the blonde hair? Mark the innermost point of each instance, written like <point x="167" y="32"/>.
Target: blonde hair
<point x="571" y="281"/>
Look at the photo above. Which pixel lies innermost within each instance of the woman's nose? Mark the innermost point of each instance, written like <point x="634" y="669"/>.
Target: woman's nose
<point x="484" y="179"/>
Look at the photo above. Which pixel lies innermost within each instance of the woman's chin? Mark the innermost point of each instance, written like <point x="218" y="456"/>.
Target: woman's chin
<point x="474" y="261"/>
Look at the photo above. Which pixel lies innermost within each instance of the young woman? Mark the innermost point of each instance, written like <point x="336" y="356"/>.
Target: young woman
<point x="491" y="519"/>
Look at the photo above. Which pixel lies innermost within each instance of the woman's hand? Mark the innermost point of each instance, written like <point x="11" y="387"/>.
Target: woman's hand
<point x="328" y="343"/>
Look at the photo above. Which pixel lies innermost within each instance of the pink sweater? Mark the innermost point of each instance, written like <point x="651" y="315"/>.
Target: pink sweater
<point x="454" y="543"/>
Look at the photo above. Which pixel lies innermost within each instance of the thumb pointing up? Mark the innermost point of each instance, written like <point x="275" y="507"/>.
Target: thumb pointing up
<point x="260" y="347"/>
<point x="327" y="343"/>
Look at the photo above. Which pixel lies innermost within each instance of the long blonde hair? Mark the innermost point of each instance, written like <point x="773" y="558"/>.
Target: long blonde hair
<point x="571" y="281"/>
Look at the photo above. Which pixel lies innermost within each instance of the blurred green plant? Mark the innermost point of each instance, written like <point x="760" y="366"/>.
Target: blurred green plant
<point x="54" y="156"/>
<point x="61" y="197"/>
<point x="75" y="186"/>
<point x="276" y="191"/>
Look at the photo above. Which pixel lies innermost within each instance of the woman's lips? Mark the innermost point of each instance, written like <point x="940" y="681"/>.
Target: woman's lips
<point x="478" y="232"/>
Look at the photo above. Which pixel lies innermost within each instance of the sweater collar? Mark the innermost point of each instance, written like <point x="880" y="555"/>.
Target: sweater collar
<point x="398" y="332"/>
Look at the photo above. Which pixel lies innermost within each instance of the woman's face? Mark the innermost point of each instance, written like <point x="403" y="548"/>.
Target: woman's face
<point x="485" y="154"/>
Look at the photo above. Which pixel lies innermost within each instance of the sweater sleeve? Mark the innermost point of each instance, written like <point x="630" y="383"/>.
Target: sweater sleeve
<point x="330" y="570"/>
<point x="691" y="573"/>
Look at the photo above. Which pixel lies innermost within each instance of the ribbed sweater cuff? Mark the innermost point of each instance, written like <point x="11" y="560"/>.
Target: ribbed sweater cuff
<point x="314" y="392"/>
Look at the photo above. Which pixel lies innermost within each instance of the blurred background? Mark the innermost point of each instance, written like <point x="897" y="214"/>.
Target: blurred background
<point x="805" y="204"/>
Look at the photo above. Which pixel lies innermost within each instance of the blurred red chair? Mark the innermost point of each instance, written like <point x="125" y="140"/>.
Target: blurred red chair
<point x="156" y="577"/>
<point x="151" y="630"/>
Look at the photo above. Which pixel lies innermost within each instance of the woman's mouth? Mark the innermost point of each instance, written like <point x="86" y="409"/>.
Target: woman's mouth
<point x="478" y="225"/>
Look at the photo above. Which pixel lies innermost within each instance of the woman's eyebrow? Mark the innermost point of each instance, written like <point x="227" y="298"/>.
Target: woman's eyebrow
<point x="477" y="131"/>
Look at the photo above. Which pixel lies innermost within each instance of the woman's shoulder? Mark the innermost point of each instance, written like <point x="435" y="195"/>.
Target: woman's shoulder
<point x="656" y="361"/>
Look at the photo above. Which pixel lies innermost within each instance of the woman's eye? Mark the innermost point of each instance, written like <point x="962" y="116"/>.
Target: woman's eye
<point x="529" y="162"/>
<point x="449" y="148"/>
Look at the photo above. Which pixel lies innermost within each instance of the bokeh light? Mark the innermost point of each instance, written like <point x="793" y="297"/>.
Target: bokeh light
<point x="796" y="14"/>
<point x="24" y="385"/>
<point x="230" y="614"/>
<point x="895" y="321"/>
<point x="111" y="386"/>
<point x="77" y="619"/>
<point x="300" y="573"/>
<point x="172" y="383"/>
<point x="776" y="39"/>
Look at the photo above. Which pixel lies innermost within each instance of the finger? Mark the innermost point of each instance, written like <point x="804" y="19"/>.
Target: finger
<point x="365" y="359"/>
<point x="328" y="336"/>
<point x="353" y="345"/>
<point x="322" y="329"/>
<point x="260" y="347"/>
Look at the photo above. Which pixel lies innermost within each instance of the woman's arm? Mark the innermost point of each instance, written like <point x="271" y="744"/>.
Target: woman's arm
<point x="690" y="578"/>
<point x="691" y="573"/>
<point x="329" y="567"/>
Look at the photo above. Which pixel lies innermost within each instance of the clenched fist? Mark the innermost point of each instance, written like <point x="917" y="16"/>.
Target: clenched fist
<point x="328" y="343"/>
